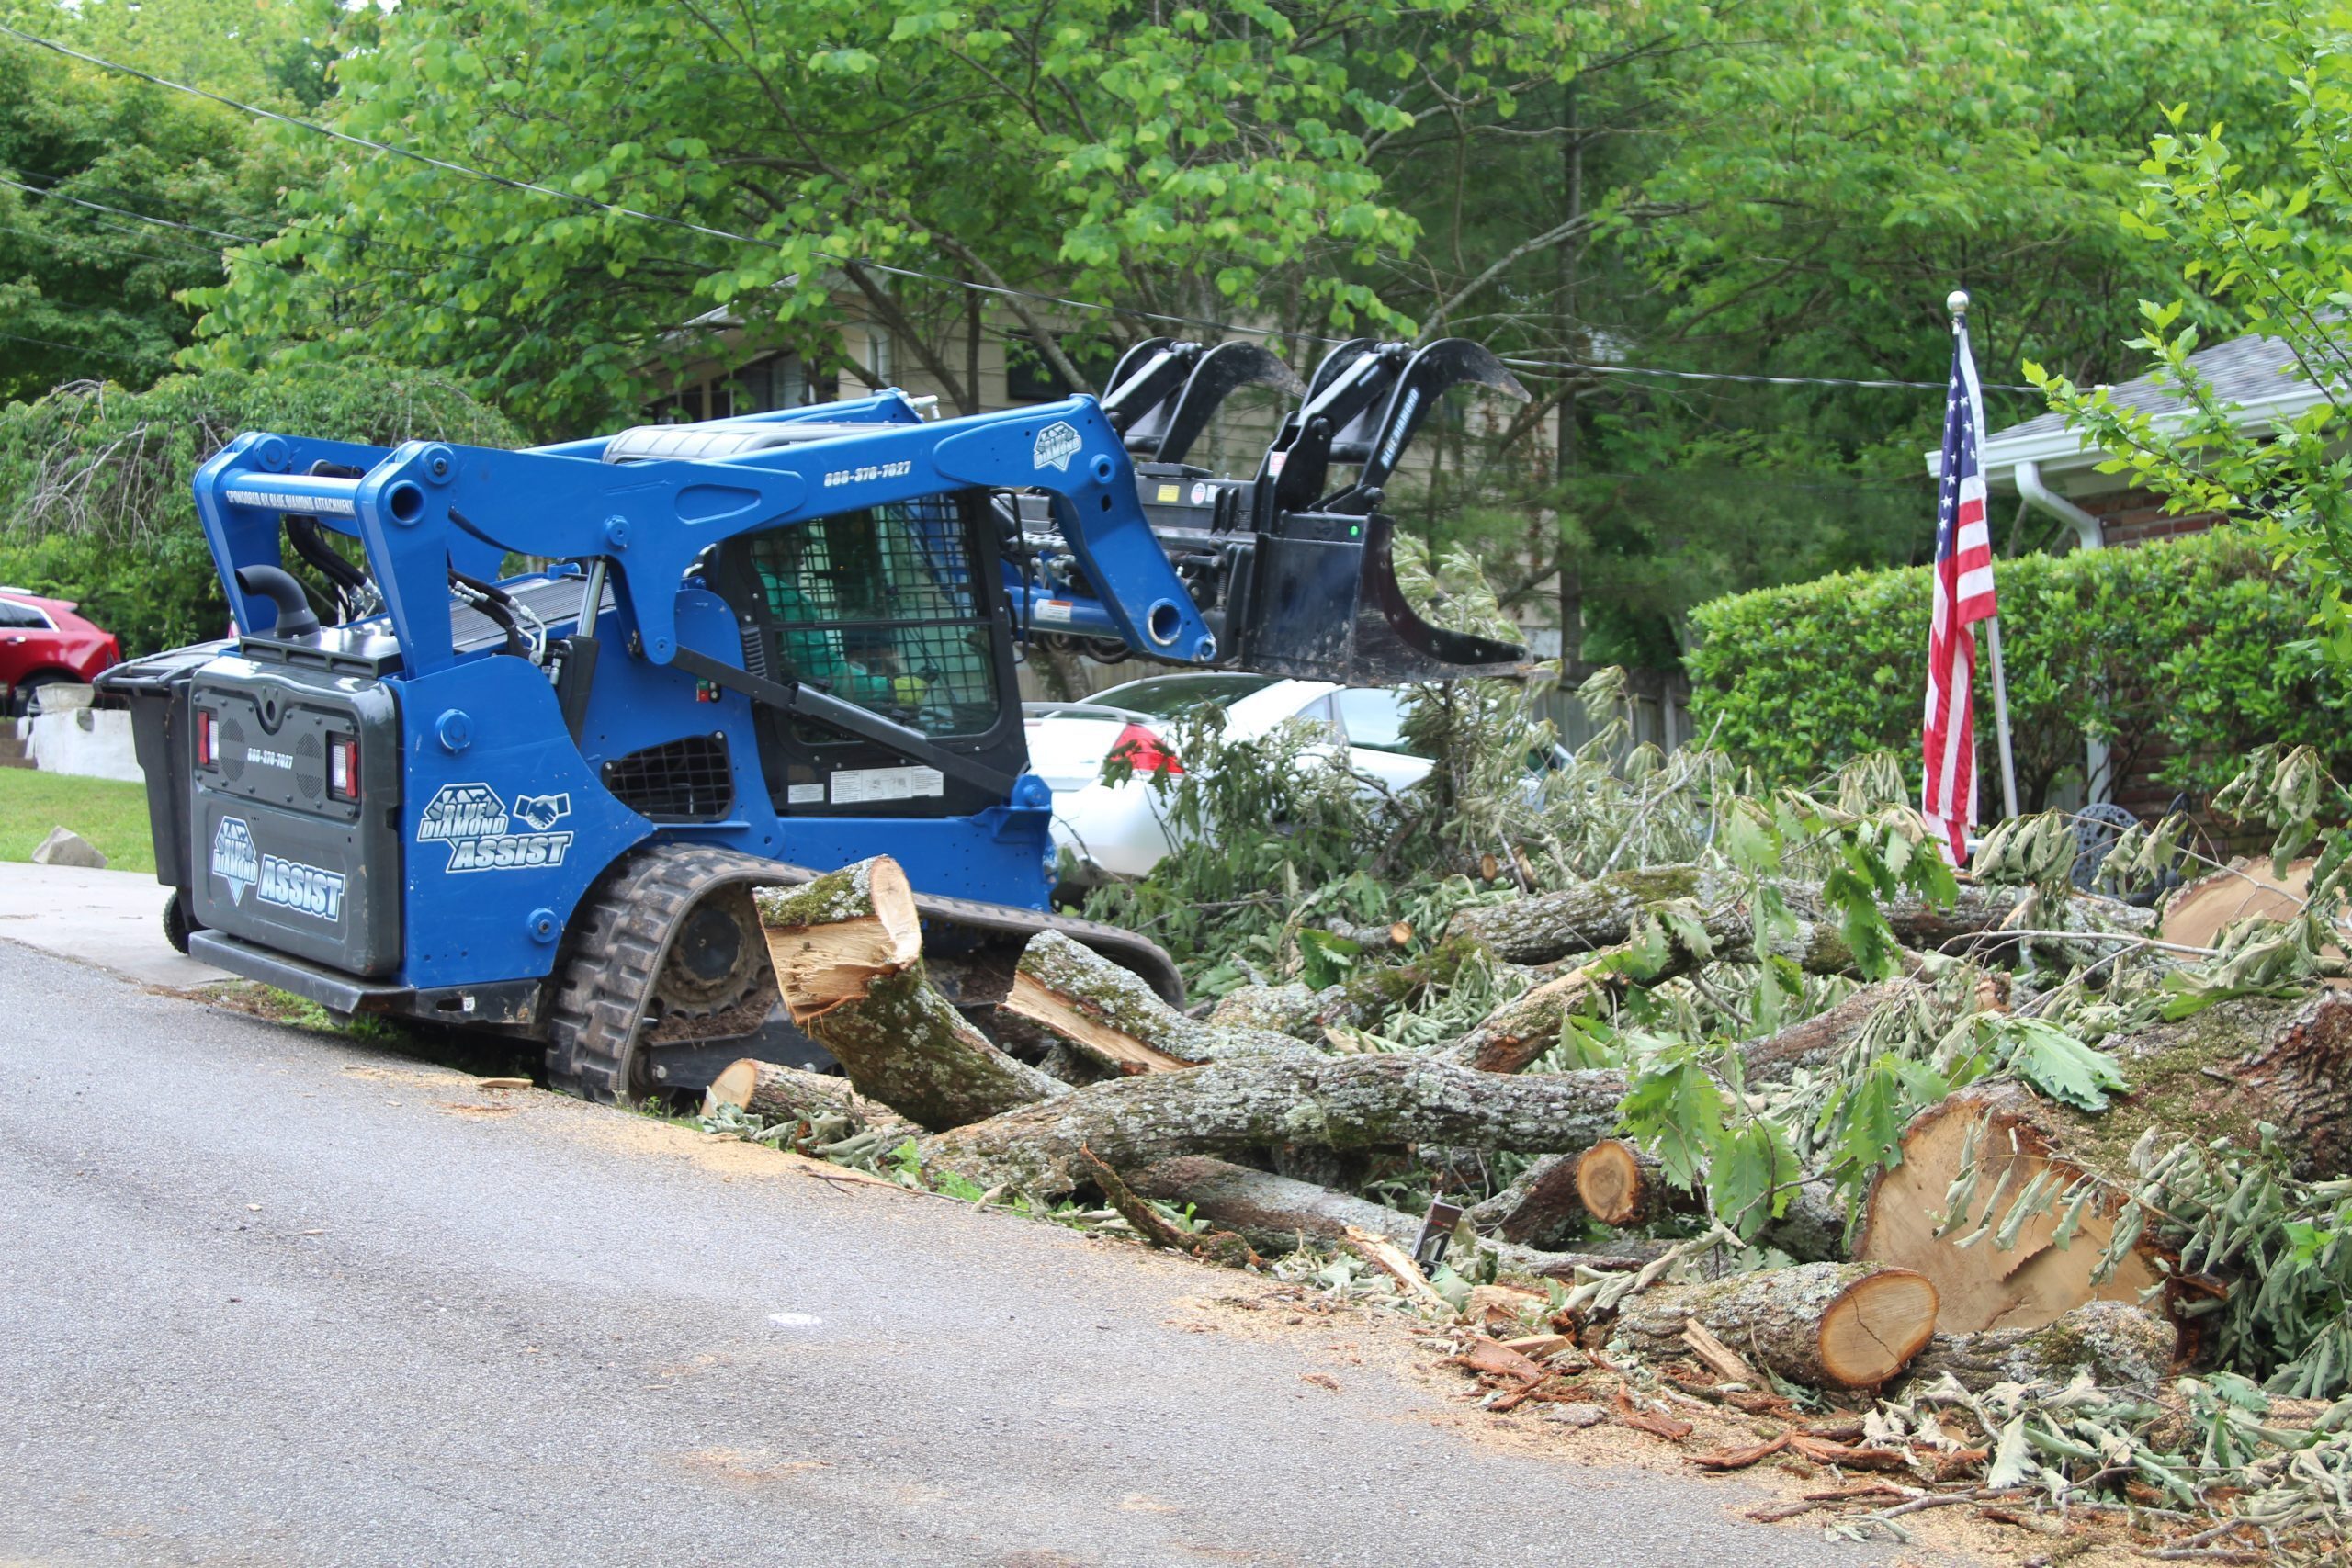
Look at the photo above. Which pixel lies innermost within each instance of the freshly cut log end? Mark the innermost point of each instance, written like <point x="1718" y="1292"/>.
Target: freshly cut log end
<point x="1984" y="1285"/>
<point x="790" y="1094"/>
<point x="832" y="938"/>
<point x="1874" y="1328"/>
<point x="1620" y="1185"/>
<point x="1826" y="1325"/>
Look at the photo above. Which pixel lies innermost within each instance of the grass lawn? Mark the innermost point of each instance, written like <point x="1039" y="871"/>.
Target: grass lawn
<point x="110" y="814"/>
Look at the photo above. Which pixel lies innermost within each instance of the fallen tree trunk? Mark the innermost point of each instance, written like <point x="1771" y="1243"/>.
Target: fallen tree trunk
<point x="1825" y="1324"/>
<point x="2192" y="1078"/>
<point x="1274" y="1213"/>
<point x="1541" y="1208"/>
<point x="848" y="953"/>
<point x="1245" y="1104"/>
<point x="1620" y="1185"/>
<point x="2121" y="1345"/>
<point x="1545" y="927"/>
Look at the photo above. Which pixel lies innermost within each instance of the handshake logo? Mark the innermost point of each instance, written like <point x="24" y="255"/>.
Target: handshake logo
<point x="541" y="812"/>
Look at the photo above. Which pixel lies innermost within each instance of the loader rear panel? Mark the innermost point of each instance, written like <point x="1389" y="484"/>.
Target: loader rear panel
<point x="280" y="857"/>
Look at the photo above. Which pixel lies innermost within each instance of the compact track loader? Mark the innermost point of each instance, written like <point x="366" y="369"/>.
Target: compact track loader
<point x="537" y="800"/>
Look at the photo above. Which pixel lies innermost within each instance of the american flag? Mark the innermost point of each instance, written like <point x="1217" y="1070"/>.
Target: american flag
<point x="1963" y="597"/>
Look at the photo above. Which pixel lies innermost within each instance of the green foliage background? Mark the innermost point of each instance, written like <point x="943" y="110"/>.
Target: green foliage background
<point x="95" y="498"/>
<point x="2199" y="644"/>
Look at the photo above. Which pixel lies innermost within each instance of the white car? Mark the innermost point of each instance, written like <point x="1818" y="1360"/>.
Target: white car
<point x="1114" y="831"/>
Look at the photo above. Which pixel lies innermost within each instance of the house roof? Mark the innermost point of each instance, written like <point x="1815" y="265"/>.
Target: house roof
<point x="2257" y="373"/>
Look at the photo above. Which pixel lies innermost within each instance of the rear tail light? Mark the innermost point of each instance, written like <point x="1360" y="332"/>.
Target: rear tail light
<point x="343" y="767"/>
<point x="1144" y="751"/>
<point x="205" y="751"/>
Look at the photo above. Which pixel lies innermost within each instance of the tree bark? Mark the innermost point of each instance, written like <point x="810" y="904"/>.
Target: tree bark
<point x="1540" y="1208"/>
<point x="848" y="954"/>
<point x="1825" y="1324"/>
<point x="1514" y="1035"/>
<point x="1246" y="1102"/>
<point x="2192" y="1078"/>
<point x="2121" y="1345"/>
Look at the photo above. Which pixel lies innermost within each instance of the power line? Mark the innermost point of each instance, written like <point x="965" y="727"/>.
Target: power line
<point x="74" y="348"/>
<point x="999" y="290"/>
<point x="122" y="212"/>
<point x="1572" y="367"/>
<point x="53" y="234"/>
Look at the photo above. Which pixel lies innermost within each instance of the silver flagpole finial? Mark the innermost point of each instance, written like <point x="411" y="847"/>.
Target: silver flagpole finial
<point x="1957" y="303"/>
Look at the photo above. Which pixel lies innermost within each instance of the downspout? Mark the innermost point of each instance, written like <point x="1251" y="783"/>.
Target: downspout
<point x="2090" y="534"/>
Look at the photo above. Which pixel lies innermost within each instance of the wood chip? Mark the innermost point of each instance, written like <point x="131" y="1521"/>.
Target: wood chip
<point x="1540" y="1344"/>
<point x="503" y="1083"/>
<point x="1670" y="1428"/>
<point x="1821" y="1451"/>
<point x="1721" y="1359"/>
<point x="1741" y="1458"/>
<point x="1491" y="1356"/>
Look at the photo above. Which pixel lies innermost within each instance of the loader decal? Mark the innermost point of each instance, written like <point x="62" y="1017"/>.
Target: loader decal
<point x="1057" y="445"/>
<point x="473" y="821"/>
<point x="233" y="861"/>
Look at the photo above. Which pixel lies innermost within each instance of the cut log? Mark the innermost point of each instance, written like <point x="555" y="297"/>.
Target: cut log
<point x="1540" y="1208"/>
<point x="2121" y="1345"/>
<point x="1620" y="1185"/>
<point x="1277" y="1214"/>
<point x="1254" y="1102"/>
<point x="1109" y="1016"/>
<point x="1546" y="927"/>
<point x="2193" y="1079"/>
<point x="789" y="1094"/>
<point x="848" y="954"/>
<point x="1825" y="1324"/>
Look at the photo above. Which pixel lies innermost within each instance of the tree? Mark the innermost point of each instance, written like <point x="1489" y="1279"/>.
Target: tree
<point x="92" y="291"/>
<point x="2258" y="255"/>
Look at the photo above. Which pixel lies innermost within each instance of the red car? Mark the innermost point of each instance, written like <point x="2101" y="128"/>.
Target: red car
<point x="42" y="641"/>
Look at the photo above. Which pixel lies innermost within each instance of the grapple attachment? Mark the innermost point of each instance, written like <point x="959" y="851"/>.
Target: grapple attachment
<point x="1294" y="573"/>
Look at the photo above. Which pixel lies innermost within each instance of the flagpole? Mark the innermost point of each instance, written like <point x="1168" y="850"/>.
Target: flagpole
<point x="1957" y="302"/>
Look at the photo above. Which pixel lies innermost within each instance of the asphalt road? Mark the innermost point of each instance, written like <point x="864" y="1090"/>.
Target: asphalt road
<point x="271" y="1297"/>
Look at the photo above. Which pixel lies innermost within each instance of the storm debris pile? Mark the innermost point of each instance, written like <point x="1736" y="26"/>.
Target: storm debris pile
<point x="1981" y="1193"/>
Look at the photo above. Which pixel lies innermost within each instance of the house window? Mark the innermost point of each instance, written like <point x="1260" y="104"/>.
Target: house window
<point x="878" y="366"/>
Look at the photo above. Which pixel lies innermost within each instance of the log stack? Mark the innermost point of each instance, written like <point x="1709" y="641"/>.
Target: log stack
<point x="1087" y="1082"/>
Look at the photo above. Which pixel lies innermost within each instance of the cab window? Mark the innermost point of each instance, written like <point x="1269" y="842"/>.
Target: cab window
<point x="880" y="607"/>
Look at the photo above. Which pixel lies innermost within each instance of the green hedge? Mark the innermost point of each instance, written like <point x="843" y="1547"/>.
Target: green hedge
<point x="2182" y="654"/>
<point x="95" y="498"/>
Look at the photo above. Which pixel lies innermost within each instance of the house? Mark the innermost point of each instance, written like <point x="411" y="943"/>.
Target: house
<point x="2054" y="477"/>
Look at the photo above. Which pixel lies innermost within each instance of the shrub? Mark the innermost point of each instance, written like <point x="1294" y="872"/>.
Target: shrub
<point x="94" y="482"/>
<point x="2182" y="655"/>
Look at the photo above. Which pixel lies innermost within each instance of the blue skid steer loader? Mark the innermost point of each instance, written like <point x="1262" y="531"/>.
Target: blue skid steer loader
<point x="753" y="648"/>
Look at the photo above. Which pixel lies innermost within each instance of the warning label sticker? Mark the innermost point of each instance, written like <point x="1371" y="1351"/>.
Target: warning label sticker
<point x="854" y="787"/>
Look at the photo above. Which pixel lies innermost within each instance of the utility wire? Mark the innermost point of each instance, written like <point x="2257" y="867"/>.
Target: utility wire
<point x="999" y="290"/>
<point x="188" y="259"/>
<point x="74" y="348"/>
<point x="121" y="211"/>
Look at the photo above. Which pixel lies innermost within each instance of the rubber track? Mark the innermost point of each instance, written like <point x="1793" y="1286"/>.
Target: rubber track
<point x="623" y="938"/>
